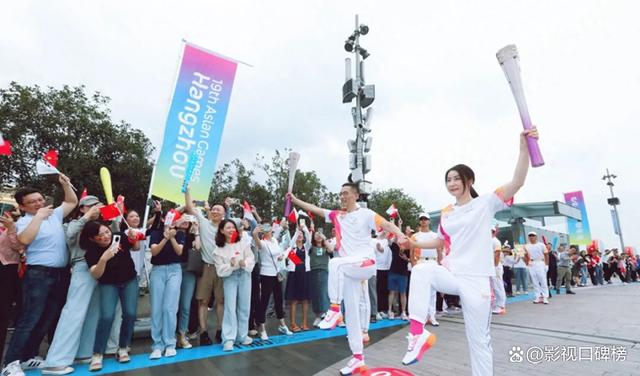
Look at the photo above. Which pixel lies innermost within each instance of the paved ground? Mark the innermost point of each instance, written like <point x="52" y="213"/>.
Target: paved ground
<point x="591" y="323"/>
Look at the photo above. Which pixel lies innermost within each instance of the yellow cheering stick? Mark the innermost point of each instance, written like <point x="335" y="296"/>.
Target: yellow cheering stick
<point x="105" y="178"/>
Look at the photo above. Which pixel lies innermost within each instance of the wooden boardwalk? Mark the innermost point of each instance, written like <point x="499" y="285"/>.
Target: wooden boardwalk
<point x="589" y="323"/>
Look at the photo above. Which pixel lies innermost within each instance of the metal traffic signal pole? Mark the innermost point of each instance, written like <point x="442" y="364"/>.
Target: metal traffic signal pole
<point x="364" y="95"/>
<point x="614" y="201"/>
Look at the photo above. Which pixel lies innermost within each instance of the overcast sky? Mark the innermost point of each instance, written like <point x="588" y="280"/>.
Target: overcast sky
<point x="441" y="98"/>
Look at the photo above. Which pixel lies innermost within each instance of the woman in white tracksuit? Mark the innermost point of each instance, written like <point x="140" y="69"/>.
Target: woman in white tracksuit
<point x="468" y="265"/>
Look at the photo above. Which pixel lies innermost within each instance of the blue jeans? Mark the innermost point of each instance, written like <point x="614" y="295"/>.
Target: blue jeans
<point x="319" y="290"/>
<point x="584" y="275"/>
<point x="127" y="293"/>
<point x="78" y="321"/>
<point x="522" y="279"/>
<point x="237" y="301"/>
<point x="599" y="274"/>
<point x="43" y="294"/>
<point x="165" y="293"/>
<point x="187" y="287"/>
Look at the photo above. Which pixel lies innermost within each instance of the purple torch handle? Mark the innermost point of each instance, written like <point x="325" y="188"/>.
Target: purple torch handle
<point x="532" y="143"/>
<point x="287" y="207"/>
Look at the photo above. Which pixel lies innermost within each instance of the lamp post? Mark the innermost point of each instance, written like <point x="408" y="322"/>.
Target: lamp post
<point x="364" y="95"/>
<point x="614" y="201"/>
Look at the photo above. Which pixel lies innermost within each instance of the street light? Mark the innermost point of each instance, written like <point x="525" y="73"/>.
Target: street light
<point x="614" y="202"/>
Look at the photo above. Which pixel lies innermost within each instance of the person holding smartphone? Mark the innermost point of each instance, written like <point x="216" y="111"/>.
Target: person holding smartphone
<point x="109" y="259"/>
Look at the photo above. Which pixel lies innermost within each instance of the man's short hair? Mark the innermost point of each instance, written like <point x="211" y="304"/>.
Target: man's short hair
<point x="353" y="186"/>
<point x="19" y="196"/>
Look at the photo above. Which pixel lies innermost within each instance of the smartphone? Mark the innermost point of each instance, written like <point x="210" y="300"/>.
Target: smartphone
<point x="116" y="239"/>
<point x="199" y="203"/>
<point x="189" y="217"/>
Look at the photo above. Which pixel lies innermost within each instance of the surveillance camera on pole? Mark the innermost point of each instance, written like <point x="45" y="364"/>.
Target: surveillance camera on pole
<point x="364" y="95"/>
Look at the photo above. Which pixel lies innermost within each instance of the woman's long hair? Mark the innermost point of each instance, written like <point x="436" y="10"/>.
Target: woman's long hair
<point x="466" y="174"/>
<point x="221" y="240"/>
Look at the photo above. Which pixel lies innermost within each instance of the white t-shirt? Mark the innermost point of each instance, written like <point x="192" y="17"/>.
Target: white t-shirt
<point x="383" y="259"/>
<point x="207" y="237"/>
<point x="422" y="236"/>
<point x="536" y="251"/>
<point x="269" y="253"/>
<point x="466" y="229"/>
<point x="353" y="231"/>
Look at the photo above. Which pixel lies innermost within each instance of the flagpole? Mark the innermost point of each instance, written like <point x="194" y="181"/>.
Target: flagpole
<point x="183" y="43"/>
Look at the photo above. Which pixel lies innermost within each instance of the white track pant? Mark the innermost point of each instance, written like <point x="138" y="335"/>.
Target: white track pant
<point x="365" y="307"/>
<point x="345" y="283"/>
<point x="475" y="296"/>
<point x="497" y="284"/>
<point x="539" y="279"/>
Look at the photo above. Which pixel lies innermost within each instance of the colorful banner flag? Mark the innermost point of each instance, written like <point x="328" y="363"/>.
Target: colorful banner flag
<point x="195" y="121"/>
<point x="579" y="231"/>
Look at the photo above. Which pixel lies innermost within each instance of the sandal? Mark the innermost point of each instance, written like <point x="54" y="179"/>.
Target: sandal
<point x="295" y="328"/>
<point x="96" y="362"/>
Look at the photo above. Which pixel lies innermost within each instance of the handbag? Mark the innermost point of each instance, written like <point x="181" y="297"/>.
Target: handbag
<point x="194" y="261"/>
<point x="281" y="274"/>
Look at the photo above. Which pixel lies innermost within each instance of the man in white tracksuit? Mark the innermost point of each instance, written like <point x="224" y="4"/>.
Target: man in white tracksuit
<point x="356" y="264"/>
<point x="538" y="268"/>
<point x="497" y="284"/>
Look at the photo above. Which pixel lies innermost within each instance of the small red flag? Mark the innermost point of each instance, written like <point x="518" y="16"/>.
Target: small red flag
<point x="293" y="216"/>
<point x="294" y="258"/>
<point x="311" y="216"/>
<point x="84" y="194"/>
<point x="52" y="157"/>
<point x="5" y="148"/>
<point x="234" y="237"/>
<point x="109" y="212"/>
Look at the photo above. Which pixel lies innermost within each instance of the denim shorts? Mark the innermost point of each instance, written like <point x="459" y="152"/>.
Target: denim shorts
<point x="397" y="282"/>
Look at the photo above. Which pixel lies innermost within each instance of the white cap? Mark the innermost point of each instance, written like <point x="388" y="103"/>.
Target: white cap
<point x="425" y="215"/>
<point x="532" y="233"/>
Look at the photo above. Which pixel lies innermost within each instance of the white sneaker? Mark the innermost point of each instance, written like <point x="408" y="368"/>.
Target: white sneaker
<point x="433" y="321"/>
<point x="378" y="316"/>
<point x="383" y="315"/>
<point x="285" y="330"/>
<point x="155" y="354"/>
<point x="317" y="321"/>
<point x="169" y="352"/>
<point x="57" y="370"/>
<point x="13" y="369"/>
<point x="247" y="341"/>
<point x="391" y="315"/>
<point x="537" y="301"/>
<point x="545" y="301"/>
<point x="122" y="356"/>
<point x="33" y="363"/>
<point x="228" y="346"/>
<point x="499" y="311"/>
<point x="404" y="317"/>
<point x="253" y="332"/>
<point x="354" y="366"/>
<point x="264" y="336"/>
<point x="96" y="362"/>
<point x="331" y="319"/>
<point x="417" y="346"/>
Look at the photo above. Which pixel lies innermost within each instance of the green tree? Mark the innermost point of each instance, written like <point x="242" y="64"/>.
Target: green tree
<point x="408" y="207"/>
<point x="79" y="126"/>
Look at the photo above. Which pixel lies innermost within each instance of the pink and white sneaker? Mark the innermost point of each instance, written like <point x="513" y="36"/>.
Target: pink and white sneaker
<point x="331" y="320"/>
<point x="418" y="345"/>
<point x="354" y="367"/>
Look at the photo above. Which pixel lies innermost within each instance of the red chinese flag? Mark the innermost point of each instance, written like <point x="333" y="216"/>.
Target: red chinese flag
<point x="52" y="157"/>
<point x="5" y="148"/>
<point x="293" y="216"/>
<point x="84" y="194"/>
<point x="294" y="258"/>
<point x="120" y="201"/>
<point x="109" y="212"/>
<point x="234" y="237"/>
